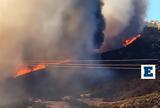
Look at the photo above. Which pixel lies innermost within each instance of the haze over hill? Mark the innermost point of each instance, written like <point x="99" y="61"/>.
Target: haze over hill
<point x="76" y="52"/>
<point x="119" y="84"/>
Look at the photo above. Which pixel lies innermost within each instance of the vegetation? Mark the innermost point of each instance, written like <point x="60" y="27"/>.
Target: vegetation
<point x="25" y="104"/>
<point x="147" y="101"/>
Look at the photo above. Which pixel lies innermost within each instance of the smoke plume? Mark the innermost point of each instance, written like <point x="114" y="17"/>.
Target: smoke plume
<point x="45" y="29"/>
<point x="124" y="19"/>
<point x="50" y="29"/>
<point x="60" y="30"/>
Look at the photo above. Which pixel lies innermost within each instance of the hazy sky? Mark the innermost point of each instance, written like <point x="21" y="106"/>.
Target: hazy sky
<point x="154" y="10"/>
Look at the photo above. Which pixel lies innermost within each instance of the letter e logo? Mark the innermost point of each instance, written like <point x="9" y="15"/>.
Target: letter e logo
<point x="148" y="71"/>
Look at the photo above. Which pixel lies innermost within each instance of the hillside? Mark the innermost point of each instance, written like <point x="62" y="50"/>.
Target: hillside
<point x="147" y="101"/>
<point x="114" y="88"/>
<point x="146" y="47"/>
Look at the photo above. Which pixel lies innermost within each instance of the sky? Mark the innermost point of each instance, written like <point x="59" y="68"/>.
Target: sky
<point x="153" y="10"/>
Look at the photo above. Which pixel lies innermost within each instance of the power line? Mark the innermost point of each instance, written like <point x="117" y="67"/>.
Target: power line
<point x="91" y="60"/>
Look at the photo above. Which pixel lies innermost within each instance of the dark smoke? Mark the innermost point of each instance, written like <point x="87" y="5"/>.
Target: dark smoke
<point x="44" y="30"/>
<point x="51" y="29"/>
<point x="124" y="19"/>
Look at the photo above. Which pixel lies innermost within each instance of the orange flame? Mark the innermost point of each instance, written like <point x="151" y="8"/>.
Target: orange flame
<point x="26" y="69"/>
<point x="40" y="65"/>
<point x="127" y="42"/>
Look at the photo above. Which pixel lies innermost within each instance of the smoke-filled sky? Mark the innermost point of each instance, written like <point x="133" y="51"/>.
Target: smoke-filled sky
<point x="153" y="10"/>
<point x="60" y="30"/>
<point x="123" y="20"/>
<point x="44" y="29"/>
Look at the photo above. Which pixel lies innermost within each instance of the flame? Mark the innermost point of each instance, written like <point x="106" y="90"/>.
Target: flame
<point x="127" y="42"/>
<point x="29" y="69"/>
<point x="39" y="65"/>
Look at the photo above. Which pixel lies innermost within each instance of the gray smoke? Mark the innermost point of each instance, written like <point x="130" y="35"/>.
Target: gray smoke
<point x="124" y="19"/>
<point x="40" y="30"/>
<point x="59" y="30"/>
<point x="44" y="29"/>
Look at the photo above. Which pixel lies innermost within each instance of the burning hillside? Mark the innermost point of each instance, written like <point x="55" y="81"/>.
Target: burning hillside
<point x="40" y="35"/>
<point x="144" y="46"/>
<point x="38" y="65"/>
<point x="128" y="42"/>
<point x="29" y="69"/>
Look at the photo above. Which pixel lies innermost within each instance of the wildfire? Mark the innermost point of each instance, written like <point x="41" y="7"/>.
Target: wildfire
<point x="28" y="69"/>
<point x="127" y="42"/>
<point x="37" y="66"/>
